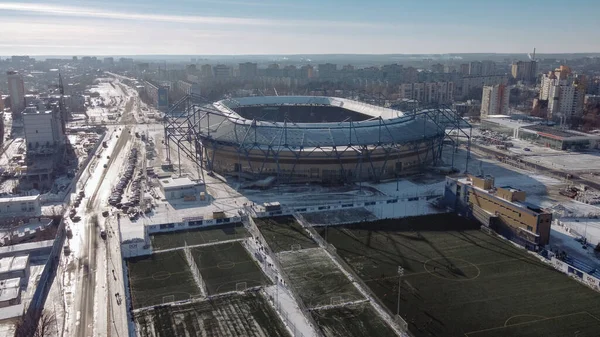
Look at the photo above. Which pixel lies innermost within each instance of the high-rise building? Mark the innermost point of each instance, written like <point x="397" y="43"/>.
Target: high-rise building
<point x="557" y="77"/>
<point x="42" y="128"/>
<point x="109" y="61"/>
<point x="221" y="72"/>
<point x="475" y="68"/>
<point x="248" y="70"/>
<point x="437" y="68"/>
<point x="449" y="68"/>
<point x="524" y="71"/>
<point x="464" y="69"/>
<point x="564" y="92"/>
<point x="16" y="90"/>
<point x="307" y="71"/>
<point x="206" y="71"/>
<point x="494" y="100"/>
<point x="472" y="84"/>
<point x="488" y="68"/>
<point x="273" y="70"/>
<point x="428" y="92"/>
<point x="566" y="100"/>
<point x="327" y="71"/>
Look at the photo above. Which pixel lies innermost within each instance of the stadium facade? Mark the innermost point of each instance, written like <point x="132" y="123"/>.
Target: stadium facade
<point x="316" y="139"/>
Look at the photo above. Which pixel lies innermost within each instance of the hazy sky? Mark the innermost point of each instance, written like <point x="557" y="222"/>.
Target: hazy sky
<point x="197" y="27"/>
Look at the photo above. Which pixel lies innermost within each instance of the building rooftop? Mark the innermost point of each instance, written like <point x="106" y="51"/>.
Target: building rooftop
<point x="556" y="133"/>
<point x="167" y="183"/>
<point x="522" y="204"/>
<point x="13" y="263"/>
<point x="9" y="289"/>
<point x="510" y="188"/>
<point x="20" y="199"/>
<point x="26" y="247"/>
<point x="12" y="311"/>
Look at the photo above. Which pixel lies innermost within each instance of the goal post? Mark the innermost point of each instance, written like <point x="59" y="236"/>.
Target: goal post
<point x="168" y="299"/>
<point x="336" y="300"/>
<point x="240" y="286"/>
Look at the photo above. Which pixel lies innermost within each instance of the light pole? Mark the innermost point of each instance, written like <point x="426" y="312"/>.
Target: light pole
<point x="400" y="274"/>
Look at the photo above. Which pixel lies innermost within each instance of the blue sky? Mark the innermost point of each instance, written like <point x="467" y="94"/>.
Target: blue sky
<point x="209" y="27"/>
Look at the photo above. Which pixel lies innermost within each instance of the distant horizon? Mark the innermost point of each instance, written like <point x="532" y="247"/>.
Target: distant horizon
<point x="289" y="27"/>
<point x="310" y="54"/>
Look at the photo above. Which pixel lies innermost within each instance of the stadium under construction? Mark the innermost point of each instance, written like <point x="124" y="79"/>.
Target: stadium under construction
<point x="311" y="138"/>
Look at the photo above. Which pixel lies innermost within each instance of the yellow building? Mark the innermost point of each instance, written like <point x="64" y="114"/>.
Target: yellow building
<point x="503" y="209"/>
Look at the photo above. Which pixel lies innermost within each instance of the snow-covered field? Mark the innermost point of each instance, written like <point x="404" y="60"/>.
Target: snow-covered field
<point x="316" y="279"/>
<point x="248" y="314"/>
<point x="569" y="161"/>
<point x="561" y="239"/>
<point x="583" y="227"/>
<point x="338" y="217"/>
<point x="108" y="103"/>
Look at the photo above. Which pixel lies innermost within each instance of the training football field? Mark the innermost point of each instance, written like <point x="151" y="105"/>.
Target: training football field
<point x="460" y="281"/>
<point x="248" y="315"/>
<point x="160" y="278"/>
<point x="228" y="267"/>
<point x="284" y="233"/>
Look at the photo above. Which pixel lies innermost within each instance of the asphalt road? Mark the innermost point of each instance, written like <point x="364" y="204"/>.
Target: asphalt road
<point x="88" y="261"/>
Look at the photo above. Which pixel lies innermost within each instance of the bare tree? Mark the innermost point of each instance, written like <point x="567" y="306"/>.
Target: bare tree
<point x="34" y="323"/>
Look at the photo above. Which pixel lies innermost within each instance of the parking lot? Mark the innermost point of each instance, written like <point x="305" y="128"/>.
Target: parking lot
<point x="126" y="194"/>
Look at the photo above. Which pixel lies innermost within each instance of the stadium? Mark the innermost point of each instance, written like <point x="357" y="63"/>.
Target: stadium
<point x="314" y="139"/>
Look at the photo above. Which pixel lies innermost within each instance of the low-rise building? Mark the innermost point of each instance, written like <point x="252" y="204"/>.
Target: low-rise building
<point x="502" y="209"/>
<point x="14" y="267"/>
<point x="20" y="206"/>
<point x="10" y="292"/>
<point x="559" y="139"/>
<point x="183" y="187"/>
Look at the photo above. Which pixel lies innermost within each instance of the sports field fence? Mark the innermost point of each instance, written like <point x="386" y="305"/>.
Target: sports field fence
<point x="398" y="321"/>
<point x="194" y="269"/>
<point x="254" y="231"/>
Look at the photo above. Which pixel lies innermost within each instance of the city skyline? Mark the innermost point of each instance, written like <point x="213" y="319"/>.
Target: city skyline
<point x="252" y="28"/>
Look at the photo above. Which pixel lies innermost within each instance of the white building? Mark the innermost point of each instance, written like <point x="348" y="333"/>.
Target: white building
<point x="14" y="267"/>
<point x="494" y="100"/>
<point x="177" y="188"/>
<point x="42" y="128"/>
<point x="10" y="292"/>
<point x="20" y="206"/>
<point x="16" y="90"/>
<point x="564" y="93"/>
